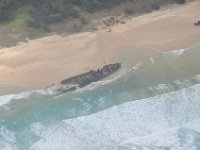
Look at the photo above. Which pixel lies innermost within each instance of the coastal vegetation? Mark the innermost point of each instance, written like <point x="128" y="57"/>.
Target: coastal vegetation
<point x="22" y="19"/>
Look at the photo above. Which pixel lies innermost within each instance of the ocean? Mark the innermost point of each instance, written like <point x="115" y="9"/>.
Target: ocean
<point x="153" y="105"/>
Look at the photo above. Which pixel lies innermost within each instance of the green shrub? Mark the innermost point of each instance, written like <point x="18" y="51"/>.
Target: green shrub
<point x="32" y="23"/>
<point x="128" y="11"/>
<point x="53" y="18"/>
<point x="46" y="28"/>
<point x="155" y="6"/>
<point x="73" y="12"/>
<point x="83" y="21"/>
<point x="180" y="1"/>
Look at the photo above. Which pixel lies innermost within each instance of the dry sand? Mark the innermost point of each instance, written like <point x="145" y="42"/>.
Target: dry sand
<point x="50" y="59"/>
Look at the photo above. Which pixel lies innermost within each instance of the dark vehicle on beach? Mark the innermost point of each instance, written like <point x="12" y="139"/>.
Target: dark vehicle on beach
<point x="197" y="23"/>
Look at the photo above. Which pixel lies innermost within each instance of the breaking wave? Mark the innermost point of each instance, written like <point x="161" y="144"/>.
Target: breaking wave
<point x="5" y="99"/>
<point x="7" y="139"/>
<point x="169" y="121"/>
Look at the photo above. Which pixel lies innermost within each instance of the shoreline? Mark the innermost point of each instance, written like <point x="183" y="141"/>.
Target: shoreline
<point x="47" y="60"/>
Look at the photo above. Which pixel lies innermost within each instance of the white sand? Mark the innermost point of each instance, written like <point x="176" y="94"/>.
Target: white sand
<point x="50" y="59"/>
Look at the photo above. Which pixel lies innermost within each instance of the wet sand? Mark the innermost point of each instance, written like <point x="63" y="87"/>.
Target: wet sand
<point x="44" y="61"/>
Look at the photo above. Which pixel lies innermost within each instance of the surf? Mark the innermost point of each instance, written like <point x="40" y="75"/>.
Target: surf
<point x="154" y="122"/>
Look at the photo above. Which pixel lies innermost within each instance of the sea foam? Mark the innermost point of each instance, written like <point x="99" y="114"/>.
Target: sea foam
<point x="7" y="139"/>
<point x="175" y="53"/>
<point x="6" y="99"/>
<point x="169" y="121"/>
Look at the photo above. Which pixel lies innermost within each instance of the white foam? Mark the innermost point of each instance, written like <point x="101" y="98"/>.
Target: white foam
<point x="137" y="66"/>
<point x="152" y="60"/>
<point x="7" y="139"/>
<point x="5" y="99"/>
<point x="168" y="139"/>
<point x="175" y="53"/>
<point x="175" y="85"/>
<point x="166" y="121"/>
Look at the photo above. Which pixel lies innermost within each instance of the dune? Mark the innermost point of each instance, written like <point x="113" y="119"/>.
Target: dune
<point x="47" y="60"/>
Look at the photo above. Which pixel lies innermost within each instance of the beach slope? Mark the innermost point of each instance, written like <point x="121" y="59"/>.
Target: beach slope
<point x="47" y="60"/>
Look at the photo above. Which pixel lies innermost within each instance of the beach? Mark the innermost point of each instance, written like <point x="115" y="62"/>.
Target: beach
<point x="48" y="60"/>
<point x="148" y="100"/>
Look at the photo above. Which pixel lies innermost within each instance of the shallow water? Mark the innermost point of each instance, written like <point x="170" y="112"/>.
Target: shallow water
<point x="153" y="105"/>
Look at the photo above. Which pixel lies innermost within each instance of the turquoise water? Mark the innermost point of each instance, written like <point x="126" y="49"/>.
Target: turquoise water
<point x="154" y="105"/>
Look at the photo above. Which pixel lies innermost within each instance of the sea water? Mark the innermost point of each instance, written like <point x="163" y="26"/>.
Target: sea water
<point x="151" y="105"/>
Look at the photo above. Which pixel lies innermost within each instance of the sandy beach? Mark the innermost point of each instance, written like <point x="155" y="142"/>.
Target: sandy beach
<point x="44" y="61"/>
